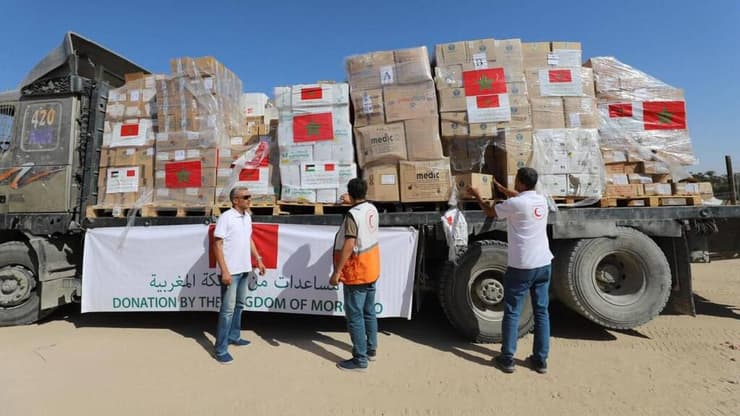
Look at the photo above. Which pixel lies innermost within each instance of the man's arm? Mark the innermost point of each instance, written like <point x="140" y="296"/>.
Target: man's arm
<point x="347" y="249"/>
<point x="218" y="249"/>
<point x="257" y="256"/>
<point x="504" y="190"/>
<point x="486" y="207"/>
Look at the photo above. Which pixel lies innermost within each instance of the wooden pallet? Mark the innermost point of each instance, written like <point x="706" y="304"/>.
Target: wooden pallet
<point x="102" y="211"/>
<point x="572" y="200"/>
<point x="651" y="201"/>
<point x="168" y="210"/>
<point x="298" y="208"/>
<point x="256" y="209"/>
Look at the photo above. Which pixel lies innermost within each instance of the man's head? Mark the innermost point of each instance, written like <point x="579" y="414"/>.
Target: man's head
<point x="357" y="189"/>
<point x="526" y="179"/>
<point x="240" y="197"/>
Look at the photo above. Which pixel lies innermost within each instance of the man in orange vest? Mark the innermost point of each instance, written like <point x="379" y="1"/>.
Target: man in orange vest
<point x="357" y="266"/>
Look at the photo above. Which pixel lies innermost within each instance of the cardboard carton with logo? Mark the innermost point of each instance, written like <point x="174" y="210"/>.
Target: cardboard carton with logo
<point x="547" y="113"/>
<point x="382" y="183"/>
<point x="452" y="99"/>
<point x="425" y="181"/>
<point x="480" y="181"/>
<point x="407" y="102"/>
<point x="364" y="71"/>
<point x="454" y="124"/>
<point x="369" y="109"/>
<point x="120" y="186"/>
<point x="380" y="142"/>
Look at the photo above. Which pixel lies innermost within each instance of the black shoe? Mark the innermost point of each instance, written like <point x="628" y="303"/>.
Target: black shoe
<point x="372" y="355"/>
<point x="537" y="365"/>
<point x="351" y="365"/>
<point x="505" y="366"/>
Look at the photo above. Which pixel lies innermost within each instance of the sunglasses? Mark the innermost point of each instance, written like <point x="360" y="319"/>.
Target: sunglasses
<point x="246" y="197"/>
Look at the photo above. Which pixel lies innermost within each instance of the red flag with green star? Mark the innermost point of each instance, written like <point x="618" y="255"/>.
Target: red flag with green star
<point x="313" y="127"/>
<point x="664" y="115"/>
<point x="183" y="174"/>
<point x="484" y="82"/>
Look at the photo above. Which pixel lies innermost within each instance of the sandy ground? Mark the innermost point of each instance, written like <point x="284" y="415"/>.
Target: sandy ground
<point x="160" y="364"/>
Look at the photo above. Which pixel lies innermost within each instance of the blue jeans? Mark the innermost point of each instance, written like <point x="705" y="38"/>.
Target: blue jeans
<point x="362" y="323"/>
<point x="230" y="314"/>
<point x="517" y="282"/>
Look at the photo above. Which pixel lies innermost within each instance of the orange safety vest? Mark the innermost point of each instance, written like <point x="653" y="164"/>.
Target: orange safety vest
<point x="364" y="265"/>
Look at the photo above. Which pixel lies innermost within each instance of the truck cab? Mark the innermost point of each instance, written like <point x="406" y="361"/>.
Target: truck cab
<point x="50" y="134"/>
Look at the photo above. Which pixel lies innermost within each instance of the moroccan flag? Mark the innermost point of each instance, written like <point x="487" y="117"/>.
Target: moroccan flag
<point x="265" y="237"/>
<point x="664" y="115"/>
<point x="129" y="130"/>
<point x="484" y="82"/>
<point x="183" y="174"/>
<point x="311" y="93"/>
<point x="560" y="75"/>
<point x="313" y="127"/>
<point x="249" y="175"/>
<point x="620" y="110"/>
<point x="487" y="101"/>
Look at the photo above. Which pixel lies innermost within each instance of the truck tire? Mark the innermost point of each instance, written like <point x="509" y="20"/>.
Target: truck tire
<point x="472" y="293"/>
<point x="19" y="298"/>
<point x="619" y="283"/>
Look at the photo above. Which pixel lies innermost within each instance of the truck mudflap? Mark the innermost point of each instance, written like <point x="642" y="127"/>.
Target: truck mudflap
<point x="677" y="252"/>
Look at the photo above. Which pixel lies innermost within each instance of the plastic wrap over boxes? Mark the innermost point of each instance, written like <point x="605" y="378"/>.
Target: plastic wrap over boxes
<point x="569" y="162"/>
<point x="315" y="142"/>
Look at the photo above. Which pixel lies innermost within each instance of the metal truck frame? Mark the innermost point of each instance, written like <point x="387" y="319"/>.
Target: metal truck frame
<point x="618" y="267"/>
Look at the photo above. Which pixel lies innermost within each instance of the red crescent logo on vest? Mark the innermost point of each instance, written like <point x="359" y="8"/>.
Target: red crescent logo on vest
<point x="538" y="213"/>
<point x="372" y="222"/>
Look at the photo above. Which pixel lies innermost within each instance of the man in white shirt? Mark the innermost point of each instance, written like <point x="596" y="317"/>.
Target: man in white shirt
<point x="528" y="266"/>
<point x="232" y="248"/>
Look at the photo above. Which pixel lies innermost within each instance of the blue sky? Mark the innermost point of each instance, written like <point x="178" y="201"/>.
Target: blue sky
<point x="691" y="45"/>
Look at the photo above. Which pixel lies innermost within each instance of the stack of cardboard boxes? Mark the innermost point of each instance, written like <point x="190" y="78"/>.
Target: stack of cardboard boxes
<point x="569" y="162"/>
<point x="251" y="159"/>
<point x="645" y="139"/>
<point x="198" y="110"/>
<point x="483" y="97"/>
<point x="315" y="142"/>
<point x="396" y="126"/>
<point x="126" y="175"/>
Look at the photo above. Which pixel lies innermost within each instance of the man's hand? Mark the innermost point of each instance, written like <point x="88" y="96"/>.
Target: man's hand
<point x="344" y="199"/>
<point x="261" y="267"/>
<point x="226" y="278"/>
<point x="334" y="279"/>
<point x="474" y="192"/>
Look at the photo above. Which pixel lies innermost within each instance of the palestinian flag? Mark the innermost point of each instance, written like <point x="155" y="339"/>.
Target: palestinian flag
<point x="313" y="127"/>
<point x="183" y="174"/>
<point x="648" y="115"/>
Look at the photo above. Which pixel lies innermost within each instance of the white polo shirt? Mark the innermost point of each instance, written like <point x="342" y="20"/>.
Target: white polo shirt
<point x="526" y="224"/>
<point x="236" y="231"/>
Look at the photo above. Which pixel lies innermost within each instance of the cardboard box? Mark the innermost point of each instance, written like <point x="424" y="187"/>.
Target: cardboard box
<point x="587" y="78"/>
<point x="705" y="188"/>
<point x="253" y="104"/>
<point x="452" y="99"/>
<point x="319" y="175"/>
<point x="426" y="181"/>
<point x="535" y="54"/>
<point x="382" y="183"/>
<point x="364" y="71"/>
<point x="553" y="185"/>
<point x="482" y="129"/>
<point x="258" y="180"/>
<point x="208" y="157"/>
<point x="483" y="182"/>
<point x="380" y="142"/>
<point x="326" y="196"/>
<point x="481" y="50"/>
<point x="655" y="167"/>
<point x="290" y="174"/>
<point x="614" y="156"/>
<point x="547" y="113"/>
<point x="686" y="188"/>
<point x="521" y="117"/>
<point x="454" y="124"/>
<point x="565" y="54"/>
<point x="448" y="76"/>
<point x="301" y="96"/>
<point x="185" y="196"/>
<point x="639" y="178"/>
<point x="368" y="107"/>
<point x="126" y="156"/>
<point x="662" y="178"/>
<point x="517" y="89"/>
<point x="581" y="112"/>
<point x="617" y="179"/>
<point x="412" y="65"/>
<point x="658" y="189"/>
<point x="624" y="191"/>
<point x="408" y="102"/>
<point x="585" y="185"/>
<point x="347" y="171"/>
<point x="451" y="53"/>
<point x="422" y="139"/>
<point x="297" y="194"/>
<point x="125" y="185"/>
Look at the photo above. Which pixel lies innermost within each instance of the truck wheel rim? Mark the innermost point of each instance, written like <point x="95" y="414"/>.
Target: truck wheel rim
<point x="620" y="278"/>
<point x="486" y="293"/>
<point x="16" y="283"/>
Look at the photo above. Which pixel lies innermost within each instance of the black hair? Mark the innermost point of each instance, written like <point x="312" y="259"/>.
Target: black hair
<point x="357" y="188"/>
<point x="527" y="177"/>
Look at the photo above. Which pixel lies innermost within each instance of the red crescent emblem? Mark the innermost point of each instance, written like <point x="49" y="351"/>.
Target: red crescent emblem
<point x="538" y="213"/>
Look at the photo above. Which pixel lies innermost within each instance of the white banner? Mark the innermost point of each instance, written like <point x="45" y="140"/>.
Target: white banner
<point x="172" y="268"/>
